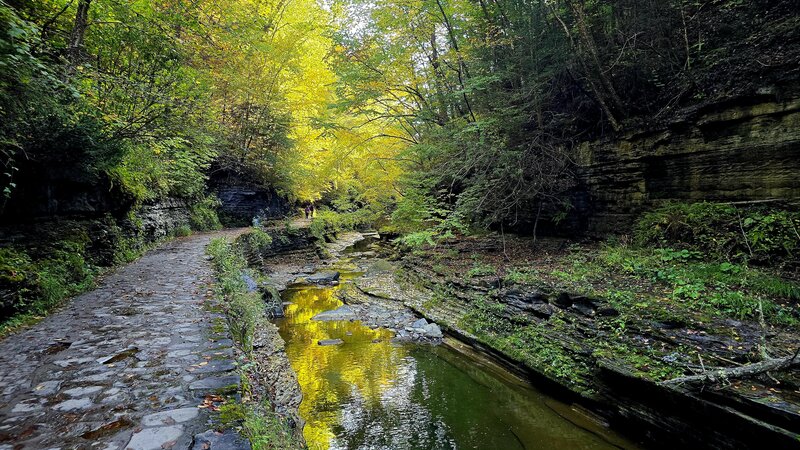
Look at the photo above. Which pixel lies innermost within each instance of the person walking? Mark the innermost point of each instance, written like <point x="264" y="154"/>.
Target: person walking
<point x="308" y="211"/>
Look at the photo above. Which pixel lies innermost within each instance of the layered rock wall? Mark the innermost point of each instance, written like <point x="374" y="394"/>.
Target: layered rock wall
<point x="742" y="151"/>
<point x="242" y="198"/>
<point x="160" y="219"/>
<point x="241" y="203"/>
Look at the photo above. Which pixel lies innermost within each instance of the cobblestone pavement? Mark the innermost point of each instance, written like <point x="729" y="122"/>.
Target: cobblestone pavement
<point x="124" y="366"/>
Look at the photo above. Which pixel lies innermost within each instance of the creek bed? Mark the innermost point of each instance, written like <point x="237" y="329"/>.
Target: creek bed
<point x="371" y="393"/>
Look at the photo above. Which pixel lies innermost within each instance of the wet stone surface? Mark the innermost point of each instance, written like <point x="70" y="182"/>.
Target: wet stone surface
<point x="123" y="366"/>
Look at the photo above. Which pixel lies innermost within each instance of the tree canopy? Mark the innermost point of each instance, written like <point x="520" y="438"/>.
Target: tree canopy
<point x="444" y="112"/>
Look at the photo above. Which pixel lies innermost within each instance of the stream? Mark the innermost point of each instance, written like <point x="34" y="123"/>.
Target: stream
<point x="372" y="393"/>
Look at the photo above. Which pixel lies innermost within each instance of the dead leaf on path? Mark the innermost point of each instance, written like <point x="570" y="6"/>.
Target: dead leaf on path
<point x="209" y="402"/>
<point x="168" y="445"/>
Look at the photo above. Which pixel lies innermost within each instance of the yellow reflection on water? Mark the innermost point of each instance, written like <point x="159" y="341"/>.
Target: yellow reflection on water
<point x="358" y="371"/>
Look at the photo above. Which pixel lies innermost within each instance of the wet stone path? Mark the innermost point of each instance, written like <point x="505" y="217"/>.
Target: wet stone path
<point x="124" y="366"/>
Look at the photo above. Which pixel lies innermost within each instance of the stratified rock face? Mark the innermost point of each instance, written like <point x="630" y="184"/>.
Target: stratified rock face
<point x="162" y="218"/>
<point x="722" y="153"/>
<point x="50" y="189"/>
<point x="241" y="203"/>
<point x="242" y="198"/>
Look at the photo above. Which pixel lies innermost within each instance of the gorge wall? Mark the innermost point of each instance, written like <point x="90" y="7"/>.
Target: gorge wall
<point x="242" y="198"/>
<point x="744" y="150"/>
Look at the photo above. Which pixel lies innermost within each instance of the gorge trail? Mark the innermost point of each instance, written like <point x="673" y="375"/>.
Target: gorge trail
<point x="125" y="365"/>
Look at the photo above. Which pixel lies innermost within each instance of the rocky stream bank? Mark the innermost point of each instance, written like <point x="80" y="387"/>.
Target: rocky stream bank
<point x="576" y="344"/>
<point x="602" y="353"/>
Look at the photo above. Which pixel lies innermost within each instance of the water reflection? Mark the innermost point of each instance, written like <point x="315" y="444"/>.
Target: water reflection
<point x="371" y="394"/>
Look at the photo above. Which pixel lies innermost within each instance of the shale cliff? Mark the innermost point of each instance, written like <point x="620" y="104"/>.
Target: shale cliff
<point x="745" y="150"/>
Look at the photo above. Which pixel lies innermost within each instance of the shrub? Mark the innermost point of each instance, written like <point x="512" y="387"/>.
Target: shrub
<point x="34" y="286"/>
<point x="244" y="309"/>
<point x="183" y="230"/>
<point x="754" y="233"/>
<point x="204" y="214"/>
<point x="417" y="240"/>
<point x="257" y="240"/>
<point x="328" y="223"/>
<point x="16" y="280"/>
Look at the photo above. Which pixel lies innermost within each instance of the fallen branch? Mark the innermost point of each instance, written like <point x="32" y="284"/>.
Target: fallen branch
<point x="724" y="375"/>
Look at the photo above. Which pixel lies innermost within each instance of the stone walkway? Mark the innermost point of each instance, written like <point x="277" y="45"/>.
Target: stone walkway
<point x="124" y="366"/>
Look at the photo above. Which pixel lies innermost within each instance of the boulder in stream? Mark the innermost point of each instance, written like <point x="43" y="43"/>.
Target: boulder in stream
<point x="421" y="323"/>
<point x="341" y="313"/>
<point x="330" y="342"/>
<point x="331" y="277"/>
<point x="432" y="331"/>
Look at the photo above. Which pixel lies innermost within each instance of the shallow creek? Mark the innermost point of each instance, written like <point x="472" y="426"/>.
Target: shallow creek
<point x="371" y="393"/>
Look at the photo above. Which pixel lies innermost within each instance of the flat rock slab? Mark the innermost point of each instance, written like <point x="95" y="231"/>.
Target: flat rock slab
<point x="421" y="323"/>
<point x="123" y="366"/>
<point x="323" y="278"/>
<point x="214" y="366"/>
<point x="341" y="313"/>
<point x="215" y="383"/>
<point x="155" y="438"/>
<point x="74" y="404"/>
<point x="330" y="342"/>
<point x="170" y="417"/>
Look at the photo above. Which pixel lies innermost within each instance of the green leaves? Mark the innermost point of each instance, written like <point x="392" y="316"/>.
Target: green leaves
<point x="757" y="233"/>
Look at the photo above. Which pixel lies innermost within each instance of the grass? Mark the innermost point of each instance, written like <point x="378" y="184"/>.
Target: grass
<point x="244" y="312"/>
<point x="183" y="230"/>
<point x="18" y="322"/>
<point x="529" y="343"/>
<point x="646" y="293"/>
<point x="686" y="282"/>
<point x="664" y="285"/>
<point x="718" y="288"/>
<point x="522" y="275"/>
<point x="480" y="269"/>
<point x="243" y="309"/>
<point x="263" y="428"/>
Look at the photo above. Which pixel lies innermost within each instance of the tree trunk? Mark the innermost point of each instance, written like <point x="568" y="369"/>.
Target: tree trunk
<point x="438" y="78"/>
<point x="75" y="44"/>
<point x="598" y="95"/>
<point x="591" y="47"/>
